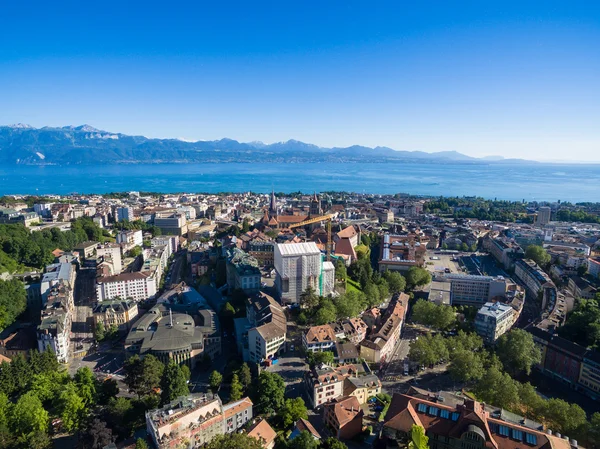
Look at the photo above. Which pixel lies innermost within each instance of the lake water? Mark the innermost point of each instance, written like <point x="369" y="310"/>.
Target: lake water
<point x="512" y="182"/>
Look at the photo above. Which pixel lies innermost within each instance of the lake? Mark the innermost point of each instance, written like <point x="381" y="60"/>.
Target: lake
<point x="551" y="182"/>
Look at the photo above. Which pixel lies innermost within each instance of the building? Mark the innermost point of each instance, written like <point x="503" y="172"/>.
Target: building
<point x="54" y="330"/>
<point x="176" y="336"/>
<point x="493" y="320"/>
<point x="11" y="216"/>
<point x="242" y="272"/>
<point x="85" y="249"/>
<point x="594" y="267"/>
<point x="17" y="339"/>
<point x="467" y="425"/>
<point x="582" y="288"/>
<point x="303" y="425"/>
<point x="343" y="417"/>
<point x="119" y="313"/>
<point x="125" y="213"/>
<point x="60" y="273"/>
<point x="534" y="278"/>
<point x="401" y="252"/>
<point x="299" y="266"/>
<point x="363" y="387"/>
<point x="504" y="251"/>
<point x="473" y="290"/>
<point x="323" y="384"/>
<point x="137" y="286"/>
<point x="319" y="338"/>
<point x="171" y="223"/>
<point x="263" y="252"/>
<point x="543" y="215"/>
<point x="111" y="252"/>
<point x="381" y="343"/>
<point x="194" y="420"/>
<point x="264" y="433"/>
<point x="268" y="331"/>
<point x="130" y="239"/>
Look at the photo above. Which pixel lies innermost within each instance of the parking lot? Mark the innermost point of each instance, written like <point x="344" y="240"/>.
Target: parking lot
<point x="435" y="262"/>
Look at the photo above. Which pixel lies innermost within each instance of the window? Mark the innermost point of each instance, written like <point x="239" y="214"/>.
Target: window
<point x="517" y="435"/>
<point x="503" y="430"/>
<point x="530" y="439"/>
<point x="455" y="416"/>
<point x="433" y="411"/>
<point x="445" y="414"/>
<point x="422" y="408"/>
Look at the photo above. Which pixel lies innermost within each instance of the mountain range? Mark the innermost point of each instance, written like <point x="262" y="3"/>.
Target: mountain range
<point x="68" y="145"/>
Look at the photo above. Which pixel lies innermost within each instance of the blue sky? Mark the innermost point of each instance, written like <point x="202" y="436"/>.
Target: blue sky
<point x="520" y="79"/>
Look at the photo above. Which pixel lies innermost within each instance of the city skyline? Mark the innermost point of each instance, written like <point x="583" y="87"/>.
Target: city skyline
<point x="482" y="80"/>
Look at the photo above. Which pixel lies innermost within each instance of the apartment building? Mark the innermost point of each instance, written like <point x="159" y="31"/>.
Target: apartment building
<point x="503" y="251"/>
<point x="242" y="272"/>
<point x="319" y="338"/>
<point x="111" y="252"/>
<point x="130" y="239"/>
<point x="195" y="420"/>
<point x="264" y="433"/>
<point x="362" y="387"/>
<point x="120" y="313"/>
<point x="594" y="267"/>
<point x="534" y="278"/>
<point x="267" y="329"/>
<point x="170" y="241"/>
<point x="343" y="417"/>
<point x="60" y="273"/>
<point x="171" y="223"/>
<point x="378" y="346"/>
<point x="299" y="266"/>
<point x="137" y="286"/>
<point x="493" y="320"/>
<point x="543" y="215"/>
<point x="125" y="213"/>
<point x="582" y="288"/>
<point x="54" y="330"/>
<point x="263" y="252"/>
<point x="323" y="384"/>
<point x="473" y="290"/>
<point x="401" y="252"/>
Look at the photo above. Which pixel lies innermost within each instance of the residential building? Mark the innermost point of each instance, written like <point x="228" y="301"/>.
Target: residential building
<point x="130" y="239"/>
<point x="242" y="272"/>
<point x="54" y="330"/>
<point x="582" y="288"/>
<point x="11" y="216"/>
<point x="85" y="249"/>
<point x="60" y="273"/>
<point x="362" y="387"/>
<point x="322" y="384"/>
<point x="266" y="331"/>
<point x="264" y="433"/>
<point x="195" y="420"/>
<point x="473" y="290"/>
<point x="319" y="338"/>
<point x="504" y="251"/>
<point x="119" y="313"/>
<point x="18" y="339"/>
<point x="467" y="425"/>
<point x="175" y="336"/>
<point x="111" y="252"/>
<point x="137" y="286"/>
<point x="299" y="266"/>
<point x="125" y="213"/>
<point x="534" y="278"/>
<point x="343" y="417"/>
<point x="543" y="215"/>
<point x="171" y="223"/>
<point x="303" y="425"/>
<point x="346" y="353"/>
<point x="401" y="252"/>
<point x="594" y="267"/>
<point x="170" y="241"/>
<point x="493" y="320"/>
<point x="378" y="346"/>
<point x="262" y="251"/>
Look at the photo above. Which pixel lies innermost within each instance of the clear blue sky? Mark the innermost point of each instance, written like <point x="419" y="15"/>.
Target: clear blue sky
<point x="520" y="79"/>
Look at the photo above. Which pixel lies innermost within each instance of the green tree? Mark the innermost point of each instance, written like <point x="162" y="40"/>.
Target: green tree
<point x="173" y="383"/>
<point x="341" y="273"/>
<point x="395" y="281"/>
<point x="438" y="316"/>
<point x="48" y="386"/>
<point x="107" y="390"/>
<point x="326" y="313"/>
<point x="372" y="294"/>
<point x="28" y="415"/>
<point x="532" y="403"/>
<point x="72" y="408"/>
<point x="594" y="430"/>
<point x="309" y="299"/>
<point x="245" y="375"/>
<point x="214" y="380"/>
<point x="13" y="301"/>
<point x="518" y="352"/>
<point x="538" y="254"/>
<point x="237" y="390"/>
<point x="464" y="341"/>
<point x="568" y="419"/>
<point x="418" y="439"/>
<point x="333" y="443"/>
<point x="304" y="440"/>
<point x="245" y="226"/>
<point x="464" y="247"/>
<point x="270" y="392"/>
<point x="187" y="373"/>
<point x="416" y="277"/>
<point x="466" y="366"/>
<point x="140" y="443"/>
<point x="99" y="331"/>
<point x="316" y="358"/>
<point x="293" y="410"/>
<point x="234" y="441"/>
<point x="143" y="376"/>
<point x="86" y="385"/>
<point x="135" y="251"/>
<point x="498" y="388"/>
<point x="43" y="362"/>
<point x="428" y="350"/>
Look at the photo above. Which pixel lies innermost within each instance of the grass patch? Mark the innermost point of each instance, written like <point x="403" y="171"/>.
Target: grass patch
<point x="352" y="286"/>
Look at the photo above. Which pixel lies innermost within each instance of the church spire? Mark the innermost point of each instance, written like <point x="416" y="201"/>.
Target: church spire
<point x="273" y="204"/>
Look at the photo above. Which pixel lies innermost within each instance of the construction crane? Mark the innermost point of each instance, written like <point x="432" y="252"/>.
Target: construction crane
<point x="319" y="219"/>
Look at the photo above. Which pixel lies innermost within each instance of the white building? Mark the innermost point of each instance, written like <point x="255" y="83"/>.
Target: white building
<point x="473" y="290"/>
<point x="112" y="251"/>
<point x="172" y="241"/>
<point x="299" y="266"/>
<point x="137" y="286"/>
<point x="544" y="214"/>
<point x="56" y="273"/>
<point x="493" y="320"/>
<point x="131" y="238"/>
<point x="125" y="213"/>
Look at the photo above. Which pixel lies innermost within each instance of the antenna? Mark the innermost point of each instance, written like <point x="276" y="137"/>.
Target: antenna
<point x="171" y="317"/>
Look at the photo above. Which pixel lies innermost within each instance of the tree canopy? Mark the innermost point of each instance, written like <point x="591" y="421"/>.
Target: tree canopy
<point x="538" y="254"/>
<point x="430" y="314"/>
<point x="13" y="301"/>
<point x="270" y="391"/>
<point x="517" y="351"/>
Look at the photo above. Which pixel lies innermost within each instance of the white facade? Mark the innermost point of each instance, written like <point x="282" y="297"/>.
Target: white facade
<point x="125" y="213"/>
<point x="114" y="252"/>
<point x="137" y="286"/>
<point x="299" y="266"/>
<point x="56" y="337"/>
<point x="493" y="320"/>
<point x="475" y="290"/>
<point x="131" y="238"/>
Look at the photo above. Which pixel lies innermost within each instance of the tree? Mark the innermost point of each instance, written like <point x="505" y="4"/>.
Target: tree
<point x="438" y="316"/>
<point x="428" y="350"/>
<point x="418" y="439"/>
<point x="72" y="408"/>
<point x="97" y="435"/>
<point x="28" y="415"/>
<point x="143" y="375"/>
<point x="99" y="332"/>
<point x="498" y="388"/>
<point x="395" y="281"/>
<point x="464" y="341"/>
<point x="316" y="358"/>
<point x="309" y="299"/>
<point x="135" y="251"/>
<point x="563" y="417"/>
<point x="107" y="390"/>
<point x="531" y="403"/>
<point x="372" y="294"/>
<point x="245" y="226"/>
<point x="293" y="410"/>
<point x="538" y="254"/>
<point x="214" y="380"/>
<point x="234" y="441"/>
<point x="187" y="373"/>
<point x="326" y="313"/>
<point x="333" y="443"/>
<point x="464" y="247"/>
<point x="517" y="351"/>
<point x="270" y="391"/>
<point x="86" y="385"/>
<point x="594" y="431"/>
<point x="245" y="375"/>
<point x="43" y="362"/>
<point x="237" y="391"/>
<point x="141" y="444"/>
<point x="341" y="273"/>
<point x="416" y="276"/>
<point x="13" y="301"/>
<point x="304" y="440"/>
<point x="173" y="383"/>
<point x="583" y="323"/>
<point x="466" y="366"/>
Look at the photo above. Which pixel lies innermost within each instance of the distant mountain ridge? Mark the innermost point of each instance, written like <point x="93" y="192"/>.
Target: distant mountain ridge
<point x="69" y="145"/>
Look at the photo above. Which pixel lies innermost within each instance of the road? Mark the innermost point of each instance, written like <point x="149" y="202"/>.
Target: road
<point x="84" y="295"/>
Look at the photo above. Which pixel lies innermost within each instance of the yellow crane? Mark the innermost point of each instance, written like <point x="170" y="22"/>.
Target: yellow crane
<point x="319" y="219"/>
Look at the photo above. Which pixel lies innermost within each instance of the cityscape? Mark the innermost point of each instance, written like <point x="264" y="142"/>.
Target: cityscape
<point x="299" y="320"/>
